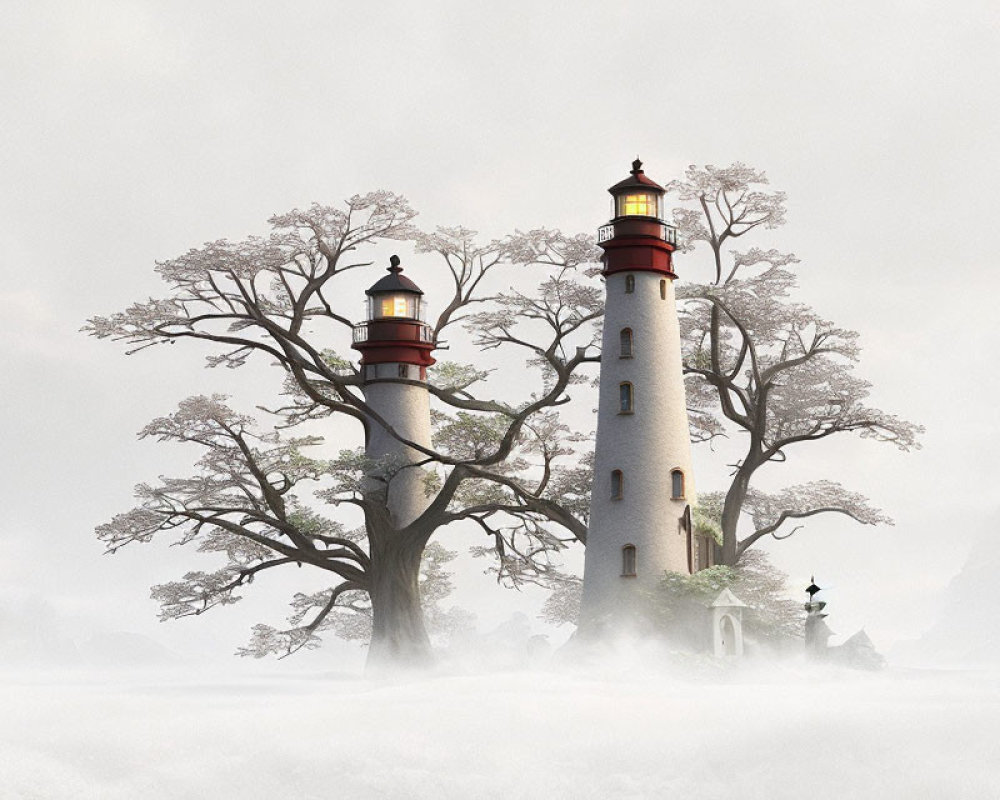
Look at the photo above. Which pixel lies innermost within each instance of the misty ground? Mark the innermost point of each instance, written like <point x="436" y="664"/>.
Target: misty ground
<point x="765" y="730"/>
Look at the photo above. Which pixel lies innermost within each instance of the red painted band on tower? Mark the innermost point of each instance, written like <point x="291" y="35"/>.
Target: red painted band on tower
<point x="388" y="340"/>
<point x="395" y="352"/>
<point x="638" y="253"/>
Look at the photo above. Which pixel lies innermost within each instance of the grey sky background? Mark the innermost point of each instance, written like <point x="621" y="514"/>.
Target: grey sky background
<point x="133" y="131"/>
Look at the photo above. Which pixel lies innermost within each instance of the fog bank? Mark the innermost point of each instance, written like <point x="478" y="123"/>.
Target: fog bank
<point x="772" y="732"/>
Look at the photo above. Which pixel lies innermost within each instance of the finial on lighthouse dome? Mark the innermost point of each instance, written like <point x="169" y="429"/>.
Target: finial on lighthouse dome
<point x="394" y="280"/>
<point x="636" y="166"/>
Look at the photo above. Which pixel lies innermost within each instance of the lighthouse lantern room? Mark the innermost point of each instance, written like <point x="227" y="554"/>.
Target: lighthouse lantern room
<point x="395" y="333"/>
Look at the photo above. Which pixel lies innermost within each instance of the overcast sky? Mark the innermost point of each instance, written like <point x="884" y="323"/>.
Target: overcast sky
<point x="133" y="131"/>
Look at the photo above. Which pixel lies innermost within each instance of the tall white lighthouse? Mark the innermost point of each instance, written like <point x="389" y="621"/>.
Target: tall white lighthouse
<point x="396" y="344"/>
<point x="643" y="489"/>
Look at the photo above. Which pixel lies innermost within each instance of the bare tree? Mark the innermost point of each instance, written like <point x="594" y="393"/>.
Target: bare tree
<point x="350" y="616"/>
<point x="505" y="466"/>
<point x="244" y="503"/>
<point x="764" y="365"/>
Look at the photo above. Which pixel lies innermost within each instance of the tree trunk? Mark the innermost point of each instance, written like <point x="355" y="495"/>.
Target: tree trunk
<point x="731" y="517"/>
<point x="399" y="638"/>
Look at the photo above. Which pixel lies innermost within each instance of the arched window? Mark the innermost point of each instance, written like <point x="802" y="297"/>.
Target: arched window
<point x="677" y="485"/>
<point x="626" y="342"/>
<point x="625" y="399"/>
<point x="617" y="484"/>
<point x="663" y="289"/>
<point x="628" y="561"/>
<point x="629" y="284"/>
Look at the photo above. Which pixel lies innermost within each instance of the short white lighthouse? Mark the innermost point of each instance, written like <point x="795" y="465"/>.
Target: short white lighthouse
<point x="396" y="344"/>
<point x="643" y="489"/>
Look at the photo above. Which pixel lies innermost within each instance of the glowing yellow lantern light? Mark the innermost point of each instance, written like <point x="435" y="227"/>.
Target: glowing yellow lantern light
<point x="395" y="306"/>
<point x="638" y="205"/>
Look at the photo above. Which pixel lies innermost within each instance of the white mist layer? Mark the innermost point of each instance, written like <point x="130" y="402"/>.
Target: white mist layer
<point x="775" y="732"/>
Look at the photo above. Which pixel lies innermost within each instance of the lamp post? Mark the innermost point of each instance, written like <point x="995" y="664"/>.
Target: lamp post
<point x="817" y="631"/>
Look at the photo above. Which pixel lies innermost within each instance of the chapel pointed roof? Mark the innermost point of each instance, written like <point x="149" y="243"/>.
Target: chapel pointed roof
<point x="727" y="599"/>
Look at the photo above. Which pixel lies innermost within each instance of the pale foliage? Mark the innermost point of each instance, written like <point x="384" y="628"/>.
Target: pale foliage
<point x="562" y="606"/>
<point x="351" y="616"/>
<point x="729" y="205"/>
<point x="506" y="466"/>
<point x="758" y="362"/>
<point x="755" y="361"/>
<point x="240" y="504"/>
<point x="770" y="616"/>
<point x="264" y="289"/>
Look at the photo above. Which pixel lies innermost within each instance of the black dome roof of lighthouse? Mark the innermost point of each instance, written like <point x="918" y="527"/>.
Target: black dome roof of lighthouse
<point x="394" y="281"/>
<point x="637" y="180"/>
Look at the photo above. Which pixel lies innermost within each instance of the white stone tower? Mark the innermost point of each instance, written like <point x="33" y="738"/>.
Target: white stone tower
<point x="396" y="344"/>
<point x="640" y="517"/>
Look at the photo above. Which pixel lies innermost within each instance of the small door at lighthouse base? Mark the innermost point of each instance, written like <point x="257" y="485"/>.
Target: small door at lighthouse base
<point x="728" y="633"/>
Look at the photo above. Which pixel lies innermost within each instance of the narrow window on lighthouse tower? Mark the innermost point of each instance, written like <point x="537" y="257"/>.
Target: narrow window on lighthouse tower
<point x="629" y="284"/>
<point x="617" y="484"/>
<point x="663" y="289"/>
<point x="677" y="485"/>
<point x="625" y="398"/>
<point x="628" y="561"/>
<point x="626" y="343"/>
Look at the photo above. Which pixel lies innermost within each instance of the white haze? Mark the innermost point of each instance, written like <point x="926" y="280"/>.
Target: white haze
<point x="135" y="130"/>
<point x="771" y="731"/>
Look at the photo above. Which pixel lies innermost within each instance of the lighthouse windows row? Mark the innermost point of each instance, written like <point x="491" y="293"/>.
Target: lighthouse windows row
<point x="630" y="286"/>
<point x="676" y="484"/>
<point x="413" y="372"/>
